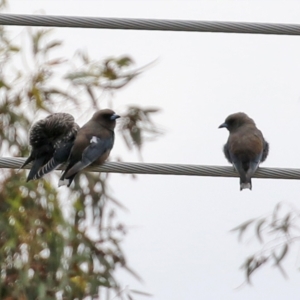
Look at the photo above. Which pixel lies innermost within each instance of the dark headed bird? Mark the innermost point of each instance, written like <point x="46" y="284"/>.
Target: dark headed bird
<point x="51" y="140"/>
<point x="246" y="147"/>
<point x="93" y="144"/>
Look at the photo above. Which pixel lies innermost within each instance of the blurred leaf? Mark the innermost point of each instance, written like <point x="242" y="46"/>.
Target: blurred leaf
<point x="3" y="84"/>
<point x="133" y="273"/>
<point x="275" y="211"/>
<point x="286" y="223"/>
<point x="37" y="36"/>
<point x="84" y="56"/>
<point x="14" y="48"/>
<point x="258" y="229"/>
<point x="136" y="126"/>
<point x="252" y="264"/>
<point x="78" y="75"/>
<point x="141" y="293"/>
<point x="283" y="253"/>
<point x="124" y="61"/>
<point x="51" y="45"/>
<point x="278" y="260"/>
<point x="151" y="110"/>
<point x="56" y="61"/>
<point x="281" y="229"/>
<point x="47" y="249"/>
<point x="242" y="228"/>
<point x="3" y="3"/>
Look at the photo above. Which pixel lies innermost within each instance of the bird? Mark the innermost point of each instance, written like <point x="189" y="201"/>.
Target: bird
<point x="246" y="147"/>
<point x="93" y="144"/>
<point x="51" y="140"/>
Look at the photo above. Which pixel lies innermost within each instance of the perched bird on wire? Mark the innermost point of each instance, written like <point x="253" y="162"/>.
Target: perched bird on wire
<point x="93" y="143"/>
<point x="51" y="140"/>
<point x="246" y="147"/>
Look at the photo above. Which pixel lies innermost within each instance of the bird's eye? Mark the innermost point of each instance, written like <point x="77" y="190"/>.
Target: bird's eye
<point x="230" y="122"/>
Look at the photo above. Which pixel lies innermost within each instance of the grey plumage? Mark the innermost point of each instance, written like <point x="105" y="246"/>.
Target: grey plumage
<point x="246" y="147"/>
<point x="51" y="140"/>
<point x="93" y="143"/>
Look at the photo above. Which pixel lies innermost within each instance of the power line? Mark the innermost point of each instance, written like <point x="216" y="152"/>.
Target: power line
<point x="169" y="169"/>
<point x="149" y="24"/>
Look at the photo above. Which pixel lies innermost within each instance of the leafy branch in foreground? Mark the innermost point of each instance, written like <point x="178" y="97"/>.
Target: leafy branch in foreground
<point x="276" y="233"/>
<point x="138" y="127"/>
<point x="93" y="78"/>
<point x="58" y="244"/>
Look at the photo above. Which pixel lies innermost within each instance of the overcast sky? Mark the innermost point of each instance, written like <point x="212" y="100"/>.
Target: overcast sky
<point x="179" y="239"/>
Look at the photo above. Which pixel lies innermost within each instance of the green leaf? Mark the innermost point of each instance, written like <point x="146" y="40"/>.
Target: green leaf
<point x="4" y="85"/>
<point x="124" y="61"/>
<point x="14" y="48"/>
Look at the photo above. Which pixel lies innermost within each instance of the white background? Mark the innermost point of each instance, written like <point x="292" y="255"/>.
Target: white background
<point x="179" y="239"/>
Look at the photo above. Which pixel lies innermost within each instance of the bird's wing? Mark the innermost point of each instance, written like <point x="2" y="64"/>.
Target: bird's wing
<point x="36" y="165"/>
<point x="261" y="149"/>
<point x="265" y="151"/>
<point x="226" y="152"/>
<point x="91" y="153"/>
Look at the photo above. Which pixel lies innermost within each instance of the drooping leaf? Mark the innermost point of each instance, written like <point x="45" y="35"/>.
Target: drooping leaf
<point x="242" y="228"/>
<point x="259" y="225"/>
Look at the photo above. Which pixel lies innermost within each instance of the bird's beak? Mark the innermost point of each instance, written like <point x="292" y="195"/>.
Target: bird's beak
<point x="224" y="125"/>
<point x="114" y="117"/>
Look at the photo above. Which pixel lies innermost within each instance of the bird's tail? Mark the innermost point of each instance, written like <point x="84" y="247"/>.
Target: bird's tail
<point x="68" y="176"/>
<point x="76" y="168"/>
<point x="66" y="181"/>
<point x="51" y="165"/>
<point x="245" y="180"/>
<point x="37" y="164"/>
<point x="245" y="184"/>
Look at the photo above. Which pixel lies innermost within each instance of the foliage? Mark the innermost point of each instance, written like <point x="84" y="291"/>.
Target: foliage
<point x="53" y="244"/>
<point x="136" y="125"/>
<point x="276" y="233"/>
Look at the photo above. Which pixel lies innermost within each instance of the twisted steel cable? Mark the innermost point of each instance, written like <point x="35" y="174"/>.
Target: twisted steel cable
<point x="169" y="169"/>
<point x="149" y="24"/>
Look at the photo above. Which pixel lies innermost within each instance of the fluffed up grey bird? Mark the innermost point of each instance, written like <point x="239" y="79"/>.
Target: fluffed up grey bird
<point x="51" y="140"/>
<point x="246" y="147"/>
<point x="93" y="144"/>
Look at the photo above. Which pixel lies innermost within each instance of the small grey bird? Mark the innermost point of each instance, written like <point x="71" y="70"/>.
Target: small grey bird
<point x="51" y="140"/>
<point x="246" y="147"/>
<point x="93" y="144"/>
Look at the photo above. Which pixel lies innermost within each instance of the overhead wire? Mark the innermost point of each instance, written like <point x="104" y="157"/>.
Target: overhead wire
<point x="149" y="24"/>
<point x="168" y="169"/>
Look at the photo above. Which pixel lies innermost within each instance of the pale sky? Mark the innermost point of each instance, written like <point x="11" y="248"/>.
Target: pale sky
<point x="179" y="240"/>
